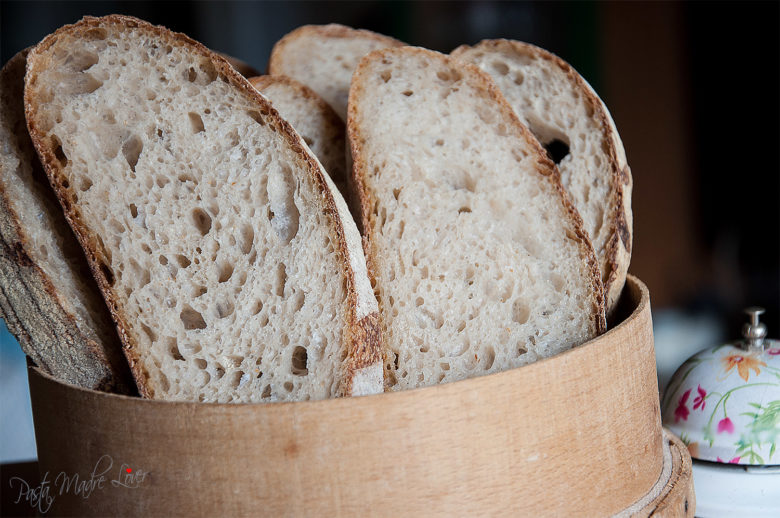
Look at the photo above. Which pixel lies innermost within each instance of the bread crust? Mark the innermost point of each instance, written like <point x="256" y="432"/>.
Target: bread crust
<point x="356" y="298"/>
<point x="30" y="303"/>
<point x="620" y="219"/>
<point x="545" y="167"/>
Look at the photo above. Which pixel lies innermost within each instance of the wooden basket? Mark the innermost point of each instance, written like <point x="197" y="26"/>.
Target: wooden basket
<point x="577" y="434"/>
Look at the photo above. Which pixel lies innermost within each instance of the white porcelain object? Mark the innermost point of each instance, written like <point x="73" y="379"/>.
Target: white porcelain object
<point x="724" y="402"/>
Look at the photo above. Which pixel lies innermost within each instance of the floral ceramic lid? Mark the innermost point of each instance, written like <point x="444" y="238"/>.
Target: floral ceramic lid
<point x="724" y="402"/>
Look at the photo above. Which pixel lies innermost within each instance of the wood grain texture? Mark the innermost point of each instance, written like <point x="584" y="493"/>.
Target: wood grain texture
<point x="578" y="434"/>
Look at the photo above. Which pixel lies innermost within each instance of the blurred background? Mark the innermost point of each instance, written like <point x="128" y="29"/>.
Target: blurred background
<point x="693" y="89"/>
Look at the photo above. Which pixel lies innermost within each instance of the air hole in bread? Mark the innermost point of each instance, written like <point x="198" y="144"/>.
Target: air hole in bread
<point x="173" y="348"/>
<point x="131" y="149"/>
<point x="182" y="261"/>
<point x="196" y="123"/>
<point x="191" y="319"/>
<point x="238" y="379"/>
<point x="298" y="300"/>
<point x="59" y="153"/>
<point x="557" y="150"/>
<point x="225" y="309"/>
<point x="288" y="386"/>
<point x="191" y="75"/>
<point x="439" y="142"/>
<point x="386" y="75"/>
<point x="463" y="181"/>
<point x="247" y="238"/>
<point x="96" y="33"/>
<point x="258" y="307"/>
<point x="149" y="333"/>
<point x="500" y="67"/>
<point x="133" y="211"/>
<point x="225" y="271"/>
<point x="519" y="78"/>
<point x="489" y="357"/>
<point x="557" y="281"/>
<point x="165" y="385"/>
<point x="163" y="260"/>
<point x="85" y="184"/>
<point x="281" y="279"/>
<point x="407" y="93"/>
<point x="200" y="363"/>
<point x="520" y="312"/>
<point x="266" y="392"/>
<point x="281" y="195"/>
<point x="464" y="210"/>
<point x="256" y="116"/>
<point x="486" y="114"/>
<point x="84" y="84"/>
<point x="106" y="271"/>
<point x="202" y="221"/>
<point x="300" y="359"/>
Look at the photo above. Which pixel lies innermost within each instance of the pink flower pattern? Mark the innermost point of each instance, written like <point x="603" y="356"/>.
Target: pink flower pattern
<point x="699" y="401"/>
<point x="725" y="425"/>
<point x="735" y="460"/>
<point x="682" y="412"/>
<point x="774" y="351"/>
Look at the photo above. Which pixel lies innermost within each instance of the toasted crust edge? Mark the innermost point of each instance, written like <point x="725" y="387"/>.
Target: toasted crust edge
<point x="620" y="241"/>
<point x="545" y="167"/>
<point x="360" y="354"/>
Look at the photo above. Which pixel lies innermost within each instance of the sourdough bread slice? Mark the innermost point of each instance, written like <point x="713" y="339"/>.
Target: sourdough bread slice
<point x="481" y="263"/>
<point x="313" y="119"/>
<point x="227" y="256"/>
<point x="323" y="58"/>
<point x="565" y="114"/>
<point x="48" y="297"/>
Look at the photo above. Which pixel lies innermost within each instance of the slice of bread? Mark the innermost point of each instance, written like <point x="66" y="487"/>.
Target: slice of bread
<point x="323" y="58"/>
<point x="227" y="256"/>
<point x="565" y="114"/>
<point x="481" y="263"/>
<point x="313" y="119"/>
<point x="47" y="295"/>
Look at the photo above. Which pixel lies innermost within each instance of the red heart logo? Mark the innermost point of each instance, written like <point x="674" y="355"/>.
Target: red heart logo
<point x="129" y="470"/>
